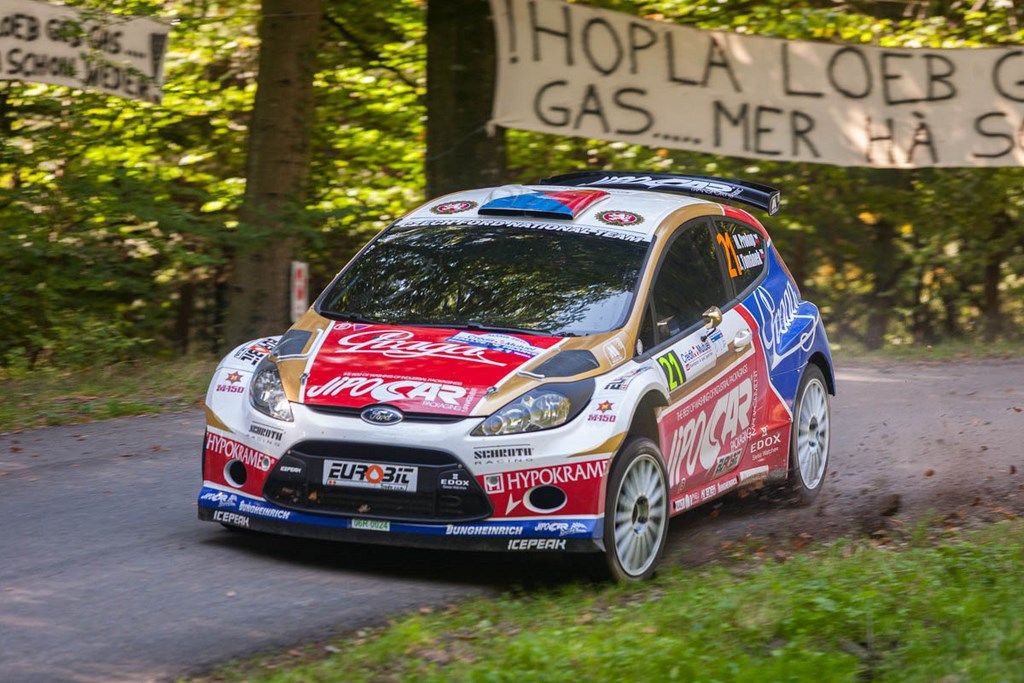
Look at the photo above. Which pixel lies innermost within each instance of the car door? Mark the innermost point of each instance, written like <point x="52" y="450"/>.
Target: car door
<point x="711" y="386"/>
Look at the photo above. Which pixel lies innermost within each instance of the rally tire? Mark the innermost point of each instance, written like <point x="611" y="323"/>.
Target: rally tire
<point x="636" y="511"/>
<point x="810" y="437"/>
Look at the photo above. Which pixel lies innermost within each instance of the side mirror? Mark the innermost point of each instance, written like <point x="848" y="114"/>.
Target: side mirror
<point x="713" y="317"/>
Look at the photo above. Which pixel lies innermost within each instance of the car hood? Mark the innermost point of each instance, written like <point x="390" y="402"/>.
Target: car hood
<point x="441" y="371"/>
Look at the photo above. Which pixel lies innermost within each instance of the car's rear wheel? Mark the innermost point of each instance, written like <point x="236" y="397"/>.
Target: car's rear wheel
<point x="636" y="511"/>
<point x="809" y="442"/>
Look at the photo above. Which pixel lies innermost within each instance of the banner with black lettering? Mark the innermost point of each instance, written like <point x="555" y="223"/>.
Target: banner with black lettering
<point x="82" y="48"/>
<point x="575" y="70"/>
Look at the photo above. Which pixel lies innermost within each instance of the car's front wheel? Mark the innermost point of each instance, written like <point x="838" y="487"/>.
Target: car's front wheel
<point x="636" y="511"/>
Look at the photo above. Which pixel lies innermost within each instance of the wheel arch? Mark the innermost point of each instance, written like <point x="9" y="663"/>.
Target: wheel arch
<point x="645" y="420"/>
<point x="818" y="358"/>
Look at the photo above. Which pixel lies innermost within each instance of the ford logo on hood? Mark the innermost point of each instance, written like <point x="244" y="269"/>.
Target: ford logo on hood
<point x="381" y="415"/>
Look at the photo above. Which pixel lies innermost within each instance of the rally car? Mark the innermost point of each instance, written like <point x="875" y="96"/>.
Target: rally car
<point x="558" y="367"/>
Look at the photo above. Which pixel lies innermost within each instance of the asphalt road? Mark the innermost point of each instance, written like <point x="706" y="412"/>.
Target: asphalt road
<point x="106" y="574"/>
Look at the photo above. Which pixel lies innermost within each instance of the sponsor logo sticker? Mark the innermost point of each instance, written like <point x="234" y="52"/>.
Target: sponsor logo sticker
<point x="223" y="500"/>
<point x="231" y="518"/>
<point x="620" y="218"/>
<point x="230" y="383"/>
<point x="480" y="530"/>
<point x="370" y="475"/>
<point x="602" y="413"/>
<point x="754" y="473"/>
<point x="622" y="382"/>
<point x="236" y="450"/>
<point x="261" y="510"/>
<point x="561" y="528"/>
<point x="503" y="453"/>
<point x="615" y="351"/>
<point x="499" y="342"/>
<point x="403" y="344"/>
<point x="528" y="544"/>
<point x="380" y="389"/>
<point x="265" y="432"/>
<point x="454" y="481"/>
<point x="448" y="208"/>
<point x="727" y="462"/>
<point x="255" y="352"/>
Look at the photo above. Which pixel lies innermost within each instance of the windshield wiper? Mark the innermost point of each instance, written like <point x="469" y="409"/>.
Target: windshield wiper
<point x="483" y="327"/>
<point x="348" y="316"/>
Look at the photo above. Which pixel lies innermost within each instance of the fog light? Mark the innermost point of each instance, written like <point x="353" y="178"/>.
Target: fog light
<point x="235" y="473"/>
<point x="545" y="498"/>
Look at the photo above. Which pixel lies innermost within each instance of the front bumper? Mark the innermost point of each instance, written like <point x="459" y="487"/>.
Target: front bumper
<point x="577" y="535"/>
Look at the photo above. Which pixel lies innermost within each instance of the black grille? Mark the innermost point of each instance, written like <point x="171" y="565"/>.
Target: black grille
<point x="407" y="417"/>
<point x="299" y="486"/>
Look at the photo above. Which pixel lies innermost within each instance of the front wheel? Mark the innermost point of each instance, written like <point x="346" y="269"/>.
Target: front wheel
<point x="636" y="511"/>
<point x="809" y="441"/>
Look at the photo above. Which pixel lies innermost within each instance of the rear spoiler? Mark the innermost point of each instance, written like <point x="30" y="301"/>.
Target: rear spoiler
<point x="752" y="194"/>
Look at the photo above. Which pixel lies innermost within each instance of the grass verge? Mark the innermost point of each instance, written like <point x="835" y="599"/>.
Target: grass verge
<point x="48" y="396"/>
<point x="846" y="612"/>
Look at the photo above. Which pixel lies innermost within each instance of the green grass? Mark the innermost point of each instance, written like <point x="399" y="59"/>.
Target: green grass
<point x="943" y="351"/>
<point x="48" y="396"/>
<point x="846" y="612"/>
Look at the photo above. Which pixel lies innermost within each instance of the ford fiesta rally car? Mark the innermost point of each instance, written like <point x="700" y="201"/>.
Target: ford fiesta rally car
<point x="558" y="367"/>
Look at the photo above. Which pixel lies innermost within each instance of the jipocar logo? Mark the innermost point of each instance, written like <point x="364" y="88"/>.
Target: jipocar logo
<point x="453" y="207"/>
<point x="620" y="218"/>
<point x="381" y="390"/>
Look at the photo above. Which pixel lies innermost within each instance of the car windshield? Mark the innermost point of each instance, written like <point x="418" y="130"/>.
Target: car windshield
<point x="515" y="279"/>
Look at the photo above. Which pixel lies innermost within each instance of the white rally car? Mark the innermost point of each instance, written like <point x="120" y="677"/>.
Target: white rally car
<point x="558" y="367"/>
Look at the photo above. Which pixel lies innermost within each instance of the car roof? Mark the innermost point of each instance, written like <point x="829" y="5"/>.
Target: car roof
<point x="652" y="207"/>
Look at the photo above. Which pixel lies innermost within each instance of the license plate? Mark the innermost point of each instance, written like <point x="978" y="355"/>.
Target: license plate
<point x="370" y="475"/>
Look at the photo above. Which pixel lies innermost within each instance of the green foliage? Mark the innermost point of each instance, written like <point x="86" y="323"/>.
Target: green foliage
<point x="848" y="612"/>
<point x="103" y="389"/>
<point x="121" y="217"/>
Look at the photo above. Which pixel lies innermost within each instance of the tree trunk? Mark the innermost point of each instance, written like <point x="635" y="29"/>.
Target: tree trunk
<point x="277" y="169"/>
<point x="882" y="297"/>
<point x="460" y="90"/>
<point x="995" y="253"/>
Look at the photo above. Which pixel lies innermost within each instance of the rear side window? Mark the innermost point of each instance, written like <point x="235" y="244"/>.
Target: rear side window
<point x="743" y="250"/>
<point x="689" y="281"/>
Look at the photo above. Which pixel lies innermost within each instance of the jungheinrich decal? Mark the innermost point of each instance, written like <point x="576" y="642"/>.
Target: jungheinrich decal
<point x="414" y="369"/>
<point x="527" y="225"/>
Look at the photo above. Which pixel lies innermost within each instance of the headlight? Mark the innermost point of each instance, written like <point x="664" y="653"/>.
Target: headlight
<point x="266" y="393"/>
<point x="545" y="407"/>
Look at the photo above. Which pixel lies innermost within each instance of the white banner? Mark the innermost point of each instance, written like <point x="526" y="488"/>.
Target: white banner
<point x="575" y="70"/>
<point x="81" y="48"/>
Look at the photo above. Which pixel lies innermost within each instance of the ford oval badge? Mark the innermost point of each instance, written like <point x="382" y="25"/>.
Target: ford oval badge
<point x="381" y="415"/>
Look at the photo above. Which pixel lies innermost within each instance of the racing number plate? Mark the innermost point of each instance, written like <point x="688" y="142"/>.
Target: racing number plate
<point x="370" y="475"/>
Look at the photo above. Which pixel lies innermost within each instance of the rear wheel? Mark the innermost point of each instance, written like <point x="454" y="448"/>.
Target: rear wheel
<point x="636" y="511"/>
<point x="809" y="441"/>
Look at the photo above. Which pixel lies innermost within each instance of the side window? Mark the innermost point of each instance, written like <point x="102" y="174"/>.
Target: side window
<point x="689" y="281"/>
<point x="743" y="249"/>
<point x="647" y="338"/>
